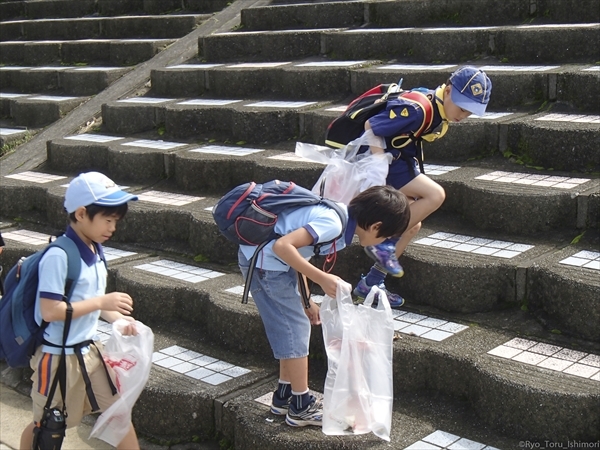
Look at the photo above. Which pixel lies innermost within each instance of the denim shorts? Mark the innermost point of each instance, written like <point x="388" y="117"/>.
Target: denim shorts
<point x="276" y="296"/>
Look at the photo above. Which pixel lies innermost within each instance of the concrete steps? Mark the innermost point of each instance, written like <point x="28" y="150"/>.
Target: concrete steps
<point x="475" y="270"/>
<point x="542" y="139"/>
<point x="122" y="27"/>
<point x="501" y="283"/>
<point x="545" y="201"/>
<point x="501" y="369"/>
<point x="32" y="9"/>
<point x="35" y="111"/>
<point x="414" y="12"/>
<point x="574" y="85"/>
<point x="521" y="44"/>
<point x="69" y="80"/>
<point x="112" y="51"/>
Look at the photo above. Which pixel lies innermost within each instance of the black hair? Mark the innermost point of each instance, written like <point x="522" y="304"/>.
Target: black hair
<point x="92" y="210"/>
<point x="381" y="204"/>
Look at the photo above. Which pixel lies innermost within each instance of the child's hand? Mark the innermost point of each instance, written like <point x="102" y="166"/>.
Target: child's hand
<point x="129" y="329"/>
<point x="117" y="301"/>
<point x="329" y="284"/>
<point x="313" y="313"/>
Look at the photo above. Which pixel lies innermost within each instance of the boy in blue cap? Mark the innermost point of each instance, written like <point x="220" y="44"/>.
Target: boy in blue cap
<point x="95" y="204"/>
<point x="374" y="215"/>
<point x="466" y="92"/>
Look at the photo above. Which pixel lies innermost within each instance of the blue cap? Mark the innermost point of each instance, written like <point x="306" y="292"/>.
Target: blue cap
<point x="471" y="89"/>
<point x="94" y="188"/>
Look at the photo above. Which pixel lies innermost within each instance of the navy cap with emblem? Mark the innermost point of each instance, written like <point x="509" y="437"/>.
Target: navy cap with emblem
<point x="471" y="89"/>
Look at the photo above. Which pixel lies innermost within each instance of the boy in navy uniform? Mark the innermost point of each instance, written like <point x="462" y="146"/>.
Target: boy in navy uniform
<point x="466" y="92"/>
<point x="377" y="213"/>
<point x="95" y="205"/>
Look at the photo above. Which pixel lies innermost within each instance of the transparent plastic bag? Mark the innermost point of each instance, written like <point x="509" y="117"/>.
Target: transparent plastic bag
<point x="358" y="394"/>
<point x="131" y="359"/>
<point x="348" y="173"/>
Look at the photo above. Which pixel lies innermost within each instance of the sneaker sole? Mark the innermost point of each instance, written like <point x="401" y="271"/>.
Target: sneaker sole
<point x="302" y="423"/>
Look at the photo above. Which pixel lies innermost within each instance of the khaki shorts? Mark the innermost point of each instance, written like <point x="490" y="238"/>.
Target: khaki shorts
<point x="45" y="365"/>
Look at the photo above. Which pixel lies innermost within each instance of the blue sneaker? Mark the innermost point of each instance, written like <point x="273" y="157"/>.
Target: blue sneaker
<point x="311" y="415"/>
<point x="280" y="406"/>
<point x="384" y="255"/>
<point x="362" y="290"/>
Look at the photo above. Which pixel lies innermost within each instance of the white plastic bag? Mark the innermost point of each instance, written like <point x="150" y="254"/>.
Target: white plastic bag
<point x="131" y="359"/>
<point x="358" y="393"/>
<point x="348" y="173"/>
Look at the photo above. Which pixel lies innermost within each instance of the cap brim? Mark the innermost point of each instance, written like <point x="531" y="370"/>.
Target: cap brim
<point x="464" y="102"/>
<point x="117" y="198"/>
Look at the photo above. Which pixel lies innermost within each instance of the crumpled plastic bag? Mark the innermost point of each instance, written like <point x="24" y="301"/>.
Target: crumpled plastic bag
<point x="131" y="359"/>
<point x="348" y="173"/>
<point x="358" y="394"/>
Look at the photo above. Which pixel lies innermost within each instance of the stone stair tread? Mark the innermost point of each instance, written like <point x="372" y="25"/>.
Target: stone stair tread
<point x="361" y="43"/>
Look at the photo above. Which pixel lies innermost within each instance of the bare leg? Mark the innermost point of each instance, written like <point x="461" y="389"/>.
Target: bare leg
<point x="407" y="236"/>
<point x="130" y="441"/>
<point x="27" y="437"/>
<point x="295" y="371"/>
<point x="430" y="197"/>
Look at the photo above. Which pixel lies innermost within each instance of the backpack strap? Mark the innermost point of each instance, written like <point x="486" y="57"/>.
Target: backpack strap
<point x="302" y="288"/>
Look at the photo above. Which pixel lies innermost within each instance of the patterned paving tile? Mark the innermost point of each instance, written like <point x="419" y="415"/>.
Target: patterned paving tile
<point x="146" y="100"/>
<point x="10" y="131"/>
<point x="96" y="69"/>
<point x="104" y="331"/>
<point x="292" y="157"/>
<point x="177" y="359"/>
<point x="93" y="138"/>
<point x="35" y="177"/>
<point x="52" y="98"/>
<point x="469" y="244"/>
<point x="435" y="169"/>
<point x="585" y="258"/>
<point x="504" y="68"/>
<point x="237" y="290"/>
<point x="375" y="30"/>
<point x="263" y="65"/>
<point x="442" y="440"/>
<point x="194" y="66"/>
<point x="208" y="102"/>
<point x="417" y="67"/>
<point x="337" y="108"/>
<point x="57" y="68"/>
<point x="490" y="116"/>
<point x="559" y="25"/>
<point x="159" y="145"/>
<point x="592" y="69"/>
<point x="225" y="150"/>
<point x="331" y="64"/>
<point x="13" y="68"/>
<point x="11" y="95"/>
<point x="179" y="271"/>
<point x="114" y="253"/>
<point x="533" y="179"/>
<point x="168" y="198"/>
<point x="424" y="326"/>
<point x="280" y="104"/>
<point x="575" y="118"/>
<point x="27" y="237"/>
<point x="458" y="29"/>
<point x="547" y="356"/>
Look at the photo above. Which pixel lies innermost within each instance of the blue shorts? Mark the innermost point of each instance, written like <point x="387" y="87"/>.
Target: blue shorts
<point x="276" y="296"/>
<point x="401" y="173"/>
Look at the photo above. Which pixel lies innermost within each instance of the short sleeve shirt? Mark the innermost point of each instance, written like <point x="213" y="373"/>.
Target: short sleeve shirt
<point x="323" y="223"/>
<point x="91" y="283"/>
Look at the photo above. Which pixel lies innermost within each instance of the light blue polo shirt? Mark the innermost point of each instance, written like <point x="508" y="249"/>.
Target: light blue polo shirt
<point x="323" y="224"/>
<point x="91" y="283"/>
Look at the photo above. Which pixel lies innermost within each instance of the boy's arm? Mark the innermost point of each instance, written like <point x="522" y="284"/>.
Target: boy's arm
<point x="117" y="302"/>
<point x="286" y="248"/>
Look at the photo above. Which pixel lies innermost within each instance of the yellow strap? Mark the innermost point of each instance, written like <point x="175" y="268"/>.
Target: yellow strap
<point x="439" y="102"/>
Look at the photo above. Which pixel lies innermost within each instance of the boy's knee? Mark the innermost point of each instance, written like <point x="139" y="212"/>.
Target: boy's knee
<point x="414" y="230"/>
<point x="438" y="195"/>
